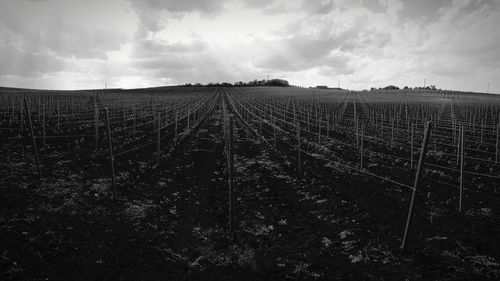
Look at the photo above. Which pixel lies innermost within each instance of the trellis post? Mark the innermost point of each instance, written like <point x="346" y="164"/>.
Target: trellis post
<point x="425" y="141"/>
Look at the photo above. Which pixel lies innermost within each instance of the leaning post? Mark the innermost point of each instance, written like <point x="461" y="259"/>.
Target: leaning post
<point x="111" y="157"/>
<point x="35" y="149"/>
<point x="425" y="141"/>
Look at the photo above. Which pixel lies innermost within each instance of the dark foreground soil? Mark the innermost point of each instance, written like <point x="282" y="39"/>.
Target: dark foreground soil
<point x="171" y="221"/>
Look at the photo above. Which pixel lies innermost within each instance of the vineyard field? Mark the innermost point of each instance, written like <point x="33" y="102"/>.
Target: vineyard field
<point x="249" y="183"/>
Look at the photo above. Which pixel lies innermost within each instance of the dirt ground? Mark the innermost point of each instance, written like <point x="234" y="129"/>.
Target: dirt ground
<point x="171" y="220"/>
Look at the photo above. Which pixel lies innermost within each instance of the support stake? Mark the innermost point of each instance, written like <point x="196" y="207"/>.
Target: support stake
<point x="35" y="149"/>
<point x="112" y="159"/>
<point x="96" y="123"/>
<point x="427" y="131"/>
<point x="299" y="152"/>
<point x="158" y="137"/>
<point x="231" y="175"/>
<point x="361" y="147"/>
<point x="411" y="146"/>
<point x="461" y="170"/>
<point x="274" y="137"/>
<point x="496" y="146"/>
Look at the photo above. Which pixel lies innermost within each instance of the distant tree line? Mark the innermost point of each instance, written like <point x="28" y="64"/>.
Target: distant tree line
<point x="392" y="87"/>
<point x="323" y="87"/>
<point x="254" y="83"/>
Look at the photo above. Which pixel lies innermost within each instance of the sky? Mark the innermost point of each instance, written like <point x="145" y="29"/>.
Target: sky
<point x="357" y="44"/>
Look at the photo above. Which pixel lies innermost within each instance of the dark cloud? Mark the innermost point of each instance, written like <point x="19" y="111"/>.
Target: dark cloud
<point x="152" y="48"/>
<point x="445" y="68"/>
<point x="166" y="62"/>
<point x="317" y="35"/>
<point x="326" y="6"/>
<point x="163" y="59"/>
<point x="274" y="7"/>
<point x="60" y="36"/>
<point x="177" y="61"/>
<point x="426" y="9"/>
<point x="184" y="68"/>
<point x="457" y="10"/>
<point x="80" y="41"/>
<point x="318" y="7"/>
<point x="300" y="53"/>
<point x="175" y="6"/>
<point x="467" y="30"/>
<point x="364" y="38"/>
<point x="257" y="4"/>
<point x="154" y="14"/>
<point x="321" y="42"/>
<point x="338" y="66"/>
<point x="375" y="6"/>
<point x="22" y="63"/>
<point x="15" y="31"/>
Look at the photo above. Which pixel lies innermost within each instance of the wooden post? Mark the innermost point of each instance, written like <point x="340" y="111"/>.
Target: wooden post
<point x="407" y="119"/>
<point x="231" y="175"/>
<point x="357" y="132"/>
<point x="461" y="170"/>
<point x="58" y="118"/>
<point x="39" y="109"/>
<point x="158" y="136"/>
<point x="355" y="118"/>
<point x="361" y="147"/>
<point x="175" y="125"/>
<point x="12" y="111"/>
<point x="43" y="127"/>
<point x="111" y="157"/>
<point x="35" y="149"/>
<point x="274" y="137"/>
<point x="328" y="126"/>
<point x="124" y="115"/>
<point x="299" y="152"/>
<point x="155" y="122"/>
<point x="261" y="123"/>
<point x="392" y="133"/>
<point x="482" y="131"/>
<point x="382" y="123"/>
<point x="21" y="115"/>
<point x="134" y="117"/>
<point x="96" y="124"/>
<point x="459" y="144"/>
<point x="496" y="146"/>
<point x="308" y="120"/>
<point x="225" y="126"/>
<point x="454" y="131"/>
<point x="411" y="146"/>
<point x="188" y="119"/>
<point x="319" y="130"/>
<point x="428" y="128"/>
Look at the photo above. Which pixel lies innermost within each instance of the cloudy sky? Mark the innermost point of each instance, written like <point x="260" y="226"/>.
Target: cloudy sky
<point x="74" y="44"/>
